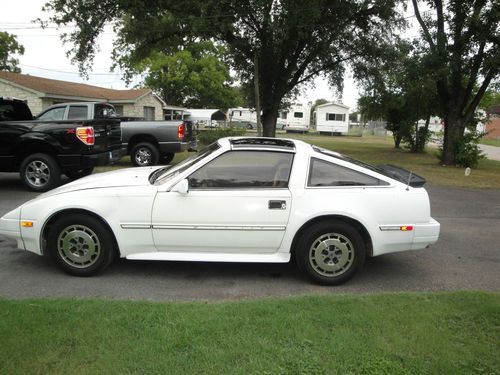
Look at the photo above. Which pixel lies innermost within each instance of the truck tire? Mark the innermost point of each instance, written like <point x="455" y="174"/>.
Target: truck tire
<point x="166" y="157"/>
<point x="75" y="174"/>
<point x="144" y="154"/>
<point x="40" y="172"/>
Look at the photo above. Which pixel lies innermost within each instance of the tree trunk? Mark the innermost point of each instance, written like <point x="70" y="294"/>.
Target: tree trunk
<point x="269" y="118"/>
<point x="453" y="131"/>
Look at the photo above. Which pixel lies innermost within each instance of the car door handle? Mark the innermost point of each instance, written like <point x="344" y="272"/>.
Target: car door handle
<point x="277" y="205"/>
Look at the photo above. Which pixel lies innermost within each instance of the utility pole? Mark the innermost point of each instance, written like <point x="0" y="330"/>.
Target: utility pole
<point x="257" y="94"/>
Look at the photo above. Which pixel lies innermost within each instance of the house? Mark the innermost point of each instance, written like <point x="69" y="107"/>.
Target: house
<point x="492" y="125"/>
<point x="332" y="118"/>
<point x="41" y="93"/>
<point x="245" y="115"/>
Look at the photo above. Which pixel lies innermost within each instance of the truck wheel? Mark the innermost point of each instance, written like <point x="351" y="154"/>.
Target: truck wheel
<point x="40" y="172"/>
<point x="249" y="126"/>
<point x="167" y="157"/>
<point x="330" y="253"/>
<point x="75" y="174"/>
<point x="144" y="154"/>
<point x="81" y="245"/>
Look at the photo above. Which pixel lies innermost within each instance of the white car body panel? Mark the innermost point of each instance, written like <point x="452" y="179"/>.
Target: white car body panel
<point x="230" y="225"/>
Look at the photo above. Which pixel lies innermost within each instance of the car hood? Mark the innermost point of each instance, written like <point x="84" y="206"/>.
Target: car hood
<point x="119" y="178"/>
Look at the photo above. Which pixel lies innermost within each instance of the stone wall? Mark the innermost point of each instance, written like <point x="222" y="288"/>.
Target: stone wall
<point x="33" y="100"/>
<point x="137" y="109"/>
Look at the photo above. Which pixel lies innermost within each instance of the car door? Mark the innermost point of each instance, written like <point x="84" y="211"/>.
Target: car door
<point x="237" y="203"/>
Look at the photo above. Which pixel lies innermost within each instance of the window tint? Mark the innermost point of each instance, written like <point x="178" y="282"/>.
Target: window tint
<point x="55" y="114"/>
<point x="77" y="112"/>
<point x="322" y="173"/>
<point x="244" y="169"/>
<point x="298" y="114"/>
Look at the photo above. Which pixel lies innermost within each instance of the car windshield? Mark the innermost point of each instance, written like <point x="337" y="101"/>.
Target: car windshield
<point x="164" y="174"/>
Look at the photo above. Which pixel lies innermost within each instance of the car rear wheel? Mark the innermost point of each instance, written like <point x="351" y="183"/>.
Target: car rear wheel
<point x="144" y="154"/>
<point x="81" y="245"/>
<point x="40" y="172"/>
<point x="330" y="253"/>
<point x="75" y="174"/>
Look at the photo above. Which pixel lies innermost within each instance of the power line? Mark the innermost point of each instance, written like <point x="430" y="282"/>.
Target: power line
<point x="69" y="72"/>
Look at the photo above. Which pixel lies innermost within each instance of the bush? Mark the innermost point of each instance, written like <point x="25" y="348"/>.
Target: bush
<point x="416" y="142"/>
<point x="207" y="137"/>
<point x="468" y="152"/>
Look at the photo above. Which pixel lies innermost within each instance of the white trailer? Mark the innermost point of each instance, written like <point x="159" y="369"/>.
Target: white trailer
<point x="296" y="119"/>
<point x="332" y="118"/>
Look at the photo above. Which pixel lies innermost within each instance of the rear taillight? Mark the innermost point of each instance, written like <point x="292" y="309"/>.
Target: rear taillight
<point x="86" y="135"/>
<point x="181" y="130"/>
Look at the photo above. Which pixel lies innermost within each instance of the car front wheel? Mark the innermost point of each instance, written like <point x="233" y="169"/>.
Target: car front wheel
<point x="81" y="245"/>
<point x="330" y="253"/>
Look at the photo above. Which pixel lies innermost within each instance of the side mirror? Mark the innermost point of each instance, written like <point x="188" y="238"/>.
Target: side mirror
<point x="182" y="187"/>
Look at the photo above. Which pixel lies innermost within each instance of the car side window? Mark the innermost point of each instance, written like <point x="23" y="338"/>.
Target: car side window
<point x="244" y="169"/>
<point x="54" y="114"/>
<point x="77" y="112"/>
<point x="323" y="173"/>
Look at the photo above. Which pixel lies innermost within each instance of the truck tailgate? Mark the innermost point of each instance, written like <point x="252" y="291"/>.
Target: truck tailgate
<point x="107" y="133"/>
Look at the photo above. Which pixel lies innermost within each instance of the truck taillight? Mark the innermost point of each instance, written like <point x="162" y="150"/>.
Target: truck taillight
<point x="86" y="135"/>
<point x="181" y="130"/>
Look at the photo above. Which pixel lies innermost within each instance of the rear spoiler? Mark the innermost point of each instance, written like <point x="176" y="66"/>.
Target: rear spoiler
<point x="402" y="175"/>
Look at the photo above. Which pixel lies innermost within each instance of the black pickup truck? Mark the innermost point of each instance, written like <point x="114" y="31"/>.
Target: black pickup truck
<point x="41" y="150"/>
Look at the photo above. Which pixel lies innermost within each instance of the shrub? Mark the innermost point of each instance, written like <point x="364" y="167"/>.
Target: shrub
<point x="207" y="137"/>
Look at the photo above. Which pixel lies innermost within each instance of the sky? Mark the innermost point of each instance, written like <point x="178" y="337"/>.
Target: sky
<point x="45" y="55"/>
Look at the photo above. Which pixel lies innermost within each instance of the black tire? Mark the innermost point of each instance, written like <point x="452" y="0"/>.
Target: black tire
<point x="249" y="126"/>
<point x="75" y="174"/>
<point x="40" y="172"/>
<point x="144" y="154"/>
<point x="330" y="253"/>
<point x="167" y="157"/>
<point x="80" y="245"/>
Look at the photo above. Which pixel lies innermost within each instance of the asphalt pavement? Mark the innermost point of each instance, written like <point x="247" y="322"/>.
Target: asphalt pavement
<point x="467" y="257"/>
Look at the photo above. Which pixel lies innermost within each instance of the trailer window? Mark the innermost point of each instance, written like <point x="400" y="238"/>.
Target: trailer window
<point x="298" y="114"/>
<point x="335" y="117"/>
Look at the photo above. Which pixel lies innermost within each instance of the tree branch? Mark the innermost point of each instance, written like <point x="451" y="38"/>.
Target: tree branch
<point x="479" y="95"/>
<point x="427" y="34"/>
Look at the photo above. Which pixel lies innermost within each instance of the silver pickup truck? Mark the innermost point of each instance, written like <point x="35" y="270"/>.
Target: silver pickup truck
<point x="147" y="142"/>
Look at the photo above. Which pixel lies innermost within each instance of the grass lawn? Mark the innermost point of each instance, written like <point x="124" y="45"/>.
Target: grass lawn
<point x="380" y="150"/>
<point x="445" y="333"/>
<point x="490" y="142"/>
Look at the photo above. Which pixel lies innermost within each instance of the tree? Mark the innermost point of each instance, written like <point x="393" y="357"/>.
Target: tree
<point x="460" y="44"/>
<point x="8" y="47"/>
<point x="397" y="90"/>
<point x="194" y="77"/>
<point x="291" y="41"/>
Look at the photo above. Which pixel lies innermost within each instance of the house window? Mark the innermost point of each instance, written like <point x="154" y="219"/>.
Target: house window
<point x="298" y="114"/>
<point x="149" y="113"/>
<point x="335" y="117"/>
<point x="119" y="110"/>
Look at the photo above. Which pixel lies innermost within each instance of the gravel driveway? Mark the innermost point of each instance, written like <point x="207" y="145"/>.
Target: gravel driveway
<point x="467" y="257"/>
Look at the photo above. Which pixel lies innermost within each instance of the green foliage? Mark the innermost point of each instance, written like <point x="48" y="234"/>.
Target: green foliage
<point x="460" y="50"/>
<point x="290" y="41"/>
<point x="468" y="153"/>
<point x="194" y="77"/>
<point x="207" y="137"/>
<point x="490" y="98"/>
<point x="8" y="47"/>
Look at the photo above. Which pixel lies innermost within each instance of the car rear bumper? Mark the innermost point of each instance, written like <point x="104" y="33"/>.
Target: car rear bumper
<point x="178" y="146"/>
<point x="425" y="234"/>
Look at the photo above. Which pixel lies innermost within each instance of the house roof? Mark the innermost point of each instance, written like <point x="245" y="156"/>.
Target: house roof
<point x="333" y="104"/>
<point x="53" y="87"/>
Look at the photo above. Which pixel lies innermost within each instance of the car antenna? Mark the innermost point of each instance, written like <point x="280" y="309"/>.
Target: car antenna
<point x="409" y="180"/>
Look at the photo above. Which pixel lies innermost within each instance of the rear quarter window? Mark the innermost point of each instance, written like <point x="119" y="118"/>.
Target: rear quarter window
<point x="323" y="173"/>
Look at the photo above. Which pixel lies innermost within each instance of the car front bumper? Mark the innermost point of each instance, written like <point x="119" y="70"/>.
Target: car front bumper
<point x="10" y="227"/>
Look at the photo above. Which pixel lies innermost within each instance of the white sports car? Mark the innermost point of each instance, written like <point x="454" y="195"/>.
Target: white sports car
<point x="239" y="200"/>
